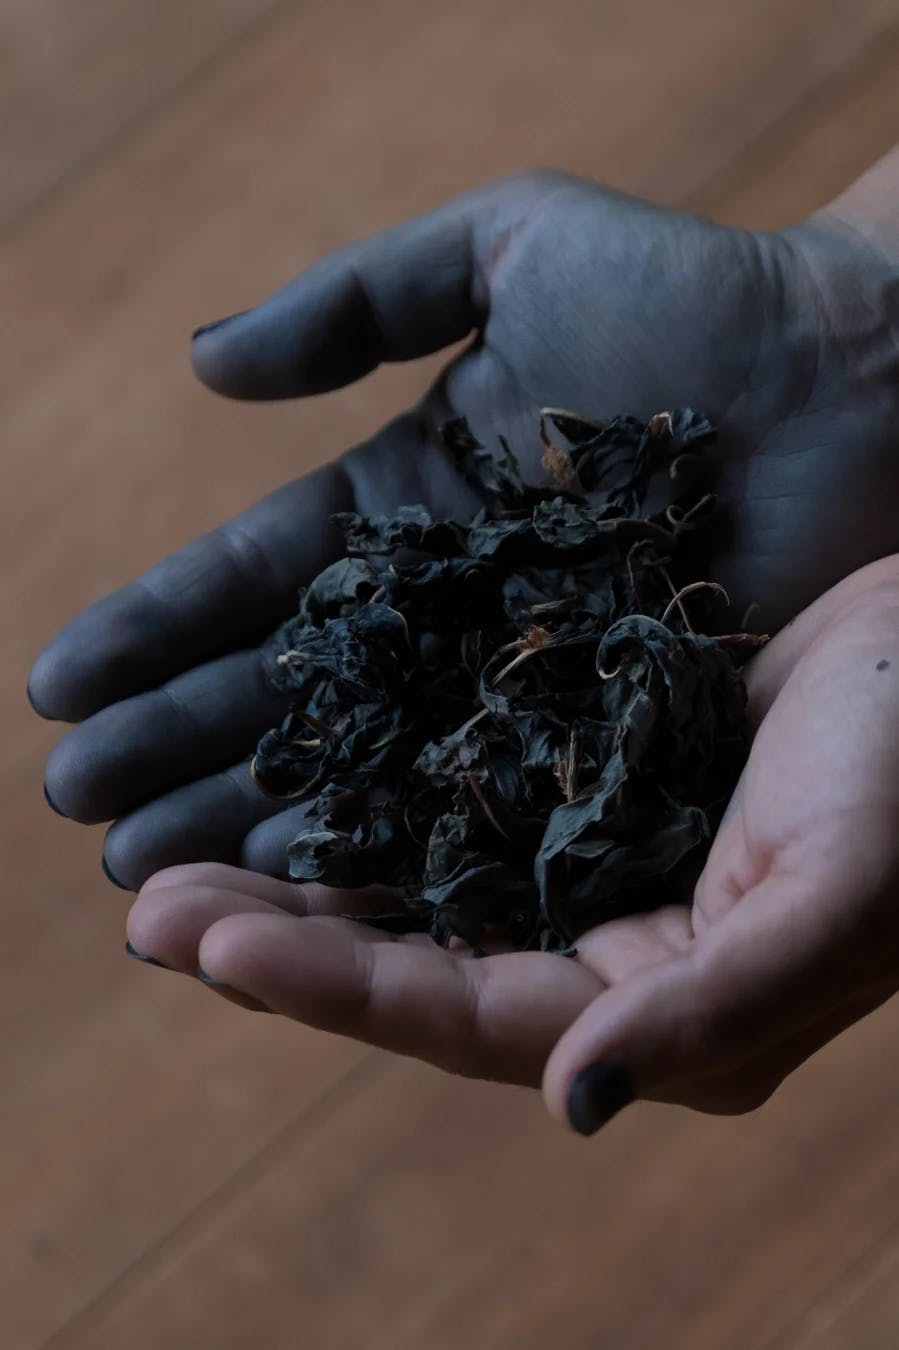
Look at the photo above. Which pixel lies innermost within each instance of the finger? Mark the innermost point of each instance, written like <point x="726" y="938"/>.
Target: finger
<point x="780" y="960"/>
<point x="265" y="847"/>
<point x="138" y="749"/>
<point x="203" y="822"/>
<point x="768" y="671"/>
<point x="228" y="589"/>
<point x="237" y="880"/>
<point x="309" y="897"/>
<point x="223" y="591"/>
<point x="493" y="1018"/>
<point x="176" y="907"/>
<point x="401" y="294"/>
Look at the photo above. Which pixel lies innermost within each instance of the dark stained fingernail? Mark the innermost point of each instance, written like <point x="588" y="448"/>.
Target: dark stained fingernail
<point x="217" y="323"/>
<point x="148" y="960"/>
<point x="597" y="1094"/>
<point x="232" y="995"/>
<point x="52" y="804"/>
<point x="109" y="876"/>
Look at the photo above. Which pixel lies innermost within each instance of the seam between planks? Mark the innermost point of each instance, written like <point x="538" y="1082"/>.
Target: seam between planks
<point x="871" y="61"/>
<point x="372" y="1067"/>
<point x="109" y="146"/>
<point x="847" y="1286"/>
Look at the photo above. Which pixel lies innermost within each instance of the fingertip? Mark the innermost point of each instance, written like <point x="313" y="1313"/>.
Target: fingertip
<point x="216" y="324"/>
<point x="131" y="950"/>
<point x="213" y="358"/>
<point x="39" y="689"/>
<point x="52" y="804"/>
<point x="256" y="951"/>
<point x="232" y="995"/>
<point x="110" y="875"/>
<point x="29" y="694"/>
<point x="233" y="358"/>
<point x="597" y="1094"/>
<point x="221" y="948"/>
<point x="67" y="781"/>
<point x="264" y="848"/>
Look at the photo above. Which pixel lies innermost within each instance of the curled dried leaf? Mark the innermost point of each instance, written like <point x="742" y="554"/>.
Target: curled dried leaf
<point x="512" y="729"/>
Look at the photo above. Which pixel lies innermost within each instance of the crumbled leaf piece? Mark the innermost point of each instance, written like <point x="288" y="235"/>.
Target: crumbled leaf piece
<point x="520" y="723"/>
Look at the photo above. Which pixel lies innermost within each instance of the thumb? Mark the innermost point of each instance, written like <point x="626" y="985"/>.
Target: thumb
<point x="718" y="1025"/>
<point x="645" y="1037"/>
<point x="400" y="294"/>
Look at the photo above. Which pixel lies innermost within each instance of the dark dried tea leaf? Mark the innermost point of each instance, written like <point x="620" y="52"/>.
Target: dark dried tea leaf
<point x="524" y="731"/>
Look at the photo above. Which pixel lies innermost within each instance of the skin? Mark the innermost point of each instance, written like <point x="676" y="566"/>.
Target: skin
<point x="577" y="297"/>
<point x="791" y="935"/>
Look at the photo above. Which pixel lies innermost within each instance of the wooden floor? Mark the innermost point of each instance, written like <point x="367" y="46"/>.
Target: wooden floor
<point x="164" y="1183"/>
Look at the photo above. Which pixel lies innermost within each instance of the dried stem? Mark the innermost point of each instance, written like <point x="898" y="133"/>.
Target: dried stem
<point x="466" y="726"/>
<point x="485" y="807"/>
<point x="554" y="607"/>
<point x="660" y="425"/>
<point x="687" y="590"/>
<point x="277" y="796"/>
<point x="635" y="546"/>
<point x="751" y="609"/>
<point x="675" y="601"/>
<point x="515" y="662"/>
<point x="571" y="774"/>
<point x="315" y="723"/>
<point x="743" y="639"/>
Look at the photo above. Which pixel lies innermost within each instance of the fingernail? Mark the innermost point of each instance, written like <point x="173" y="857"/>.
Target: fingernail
<point x="232" y="995"/>
<point x="52" y="804"/>
<point x="597" y="1094"/>
<point x="217" y="323"/>
<point x="148" y="960"/>
<point x="109" y="876"/>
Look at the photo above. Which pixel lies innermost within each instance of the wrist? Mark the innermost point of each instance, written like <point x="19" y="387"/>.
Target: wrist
<point x="849" y="254"/>
<point x="869" y="208"/>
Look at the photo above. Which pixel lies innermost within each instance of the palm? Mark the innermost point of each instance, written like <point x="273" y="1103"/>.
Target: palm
<point x="790" y="936"/>
<point x="580" y="298"/>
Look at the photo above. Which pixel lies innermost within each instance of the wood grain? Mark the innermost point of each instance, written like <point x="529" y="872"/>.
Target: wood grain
<point x="74" y="77"/>
<point x="808" y="157"/>
<point x="860" y="1308"/>
<point x="173" y="1171"/>
<point x="422" y="1211"/>
<point x="129" y="1096"/>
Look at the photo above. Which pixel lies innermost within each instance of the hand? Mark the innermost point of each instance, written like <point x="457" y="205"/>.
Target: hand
<point x="579" y="297"/>
<point x="791" y="935"/>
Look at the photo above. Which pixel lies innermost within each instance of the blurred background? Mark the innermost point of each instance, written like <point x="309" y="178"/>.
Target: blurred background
<point x="175" y="1172"/>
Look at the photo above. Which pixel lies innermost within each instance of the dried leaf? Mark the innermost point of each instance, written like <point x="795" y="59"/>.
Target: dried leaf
<point x="532" y="726"/>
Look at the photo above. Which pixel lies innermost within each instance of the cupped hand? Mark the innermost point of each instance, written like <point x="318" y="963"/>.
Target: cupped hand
<point x="575" y="296"/>
<point x="791" y="935"/>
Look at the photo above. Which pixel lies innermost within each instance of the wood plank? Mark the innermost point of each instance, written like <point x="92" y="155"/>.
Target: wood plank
<point x="424" y="1211"/>
<point x="72" y="77"/>
<point x="140" y="1106"/>
<point x="130" y="1095"/>
<point x="846" y="124"/>
<point x="859" y="1310"/>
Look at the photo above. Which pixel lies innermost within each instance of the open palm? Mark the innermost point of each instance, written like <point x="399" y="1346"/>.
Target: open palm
<point x="576" y="296"/>
<point x="791" y="935"/>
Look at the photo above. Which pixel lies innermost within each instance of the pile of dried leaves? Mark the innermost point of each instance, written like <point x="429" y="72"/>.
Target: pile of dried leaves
<point x="519" y="728"/>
